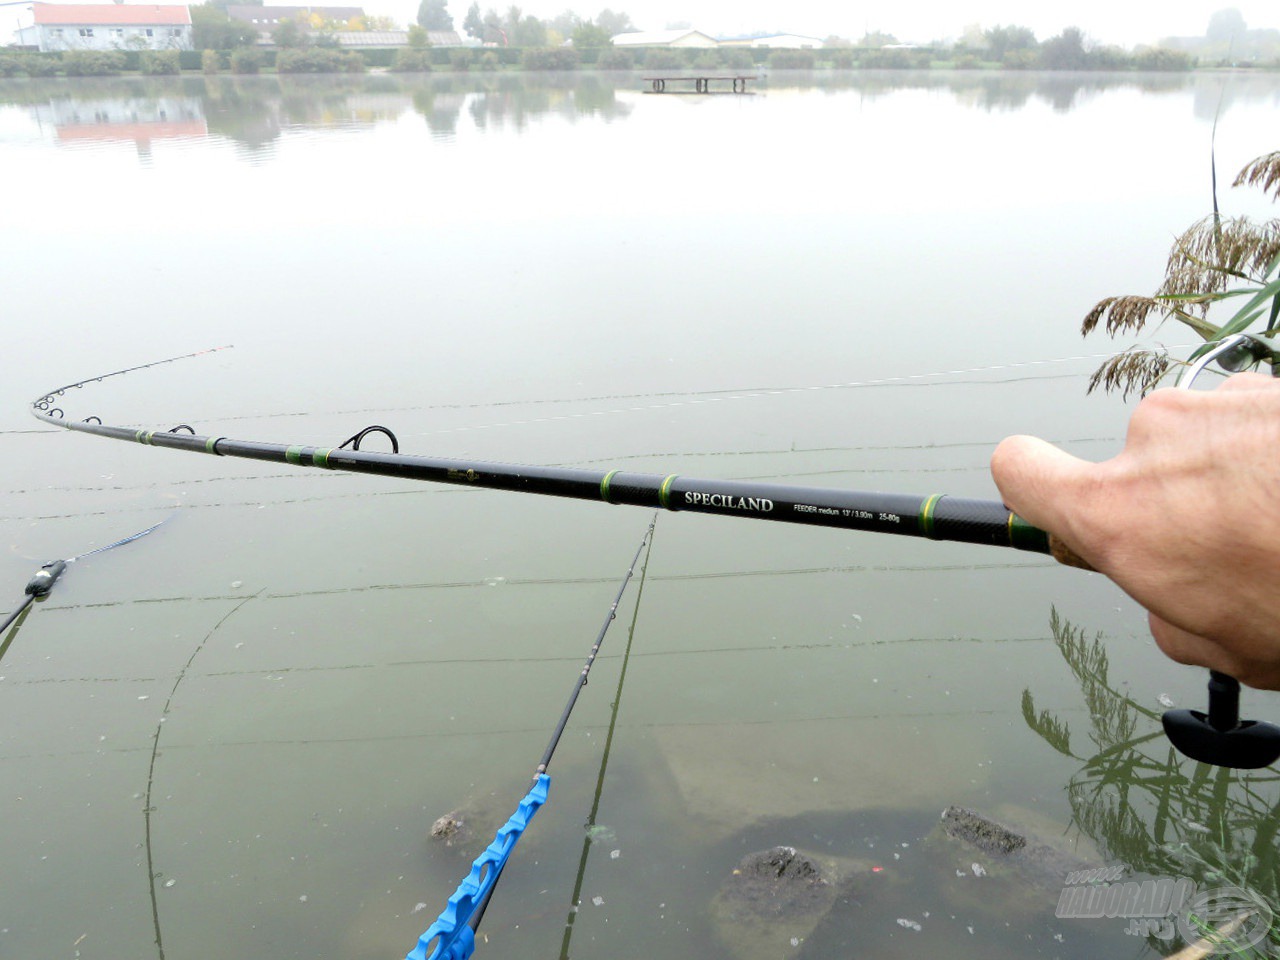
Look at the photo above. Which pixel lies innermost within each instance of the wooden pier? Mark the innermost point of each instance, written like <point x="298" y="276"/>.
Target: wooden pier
<point x="701" y="84"/>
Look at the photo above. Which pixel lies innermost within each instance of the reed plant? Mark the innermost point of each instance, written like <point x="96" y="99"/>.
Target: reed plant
<point x="1217" y="260"/>
<point x="1156" y="812"/>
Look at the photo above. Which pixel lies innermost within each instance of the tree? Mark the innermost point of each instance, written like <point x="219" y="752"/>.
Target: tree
<point x="1065" y="51"/>
<point x="1226" y="25"/>
<point x="473" y="24"/>
<point x="565" y="23"/>
<point x="614" y="23"/>
<point x="877" y="39"/>
<point x="529" y="32"/>
<point x="288" y="34"/>
<point x="1002" y="40"/>
<point x="493" y="32"/>
<point x="212" y="29"/>
<point x="512" y="20"/>
<point x="590" y="34"/>
<point x="434" y="15"/>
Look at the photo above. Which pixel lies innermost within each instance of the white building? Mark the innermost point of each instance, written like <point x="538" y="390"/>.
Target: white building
<point x="664" y="38"/>
<point x="111" y="26"/>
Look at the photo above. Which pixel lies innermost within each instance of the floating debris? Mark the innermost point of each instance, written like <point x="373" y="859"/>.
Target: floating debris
<point x="909" y="924"/>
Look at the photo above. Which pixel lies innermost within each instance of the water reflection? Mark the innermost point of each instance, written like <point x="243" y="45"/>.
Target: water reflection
<point x="1151" y="809"/>
<point x="254" y="112"/>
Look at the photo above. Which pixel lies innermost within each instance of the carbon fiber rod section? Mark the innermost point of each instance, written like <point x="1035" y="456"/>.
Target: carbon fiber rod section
<point x="935" y="517"/>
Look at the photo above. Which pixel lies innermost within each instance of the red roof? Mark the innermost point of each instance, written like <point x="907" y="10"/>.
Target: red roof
<point x="115" y="14"/>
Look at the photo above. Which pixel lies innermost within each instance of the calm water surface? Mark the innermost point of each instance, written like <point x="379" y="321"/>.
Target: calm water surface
<point x="231" y="738"/>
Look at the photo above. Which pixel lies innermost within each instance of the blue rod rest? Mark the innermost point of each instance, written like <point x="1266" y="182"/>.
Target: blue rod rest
<point x="451" y="934"/>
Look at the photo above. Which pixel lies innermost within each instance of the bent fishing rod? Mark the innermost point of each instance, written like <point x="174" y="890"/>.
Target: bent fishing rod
<point x="1218" y="736"/>
<point x="934" y="517"/>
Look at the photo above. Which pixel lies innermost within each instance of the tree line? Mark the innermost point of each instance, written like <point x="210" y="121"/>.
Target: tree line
<point x="515" y="28"/>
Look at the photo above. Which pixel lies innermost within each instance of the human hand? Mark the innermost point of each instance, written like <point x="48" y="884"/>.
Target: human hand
<point x="1186" y="519"/>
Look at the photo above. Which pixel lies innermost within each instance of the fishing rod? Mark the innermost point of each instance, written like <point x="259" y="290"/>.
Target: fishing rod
<point x="42" y="582"/>
<point x="452" y="936"/>
<point x="1218" y="737"/>
<point x="934" y="517"/>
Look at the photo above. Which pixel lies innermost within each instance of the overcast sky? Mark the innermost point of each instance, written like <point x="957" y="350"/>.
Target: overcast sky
<point x="1126" y="22"/>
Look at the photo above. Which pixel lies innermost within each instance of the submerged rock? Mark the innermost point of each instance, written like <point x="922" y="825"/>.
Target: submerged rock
<point x="774" y="898"/>
<point x="986" y="835"/>
<point x="450" y="829"/>
<point x="1044" y="864"/>
<point x="776" y="882"/>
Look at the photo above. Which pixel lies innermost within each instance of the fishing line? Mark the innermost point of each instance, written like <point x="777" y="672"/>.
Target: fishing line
<point x="278" y="672"/>
<point x="575" y="897"/>
<point x="452" y="935"/>
<point x="40" y="585"/>
<point x="147" y="808"/>
<point x="47" y="403"/>
<point x="507" y="732"/>
<point x="696" y="396"/>
<point x="726" y="393"/>
<point x="576" y="581"/>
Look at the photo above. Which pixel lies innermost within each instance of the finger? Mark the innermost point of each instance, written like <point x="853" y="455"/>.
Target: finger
<point x="1038" y="481"/>
<point x="1185" y="647"/>
<point x="1248" y="381"/>
<point x="1194" y="650"/>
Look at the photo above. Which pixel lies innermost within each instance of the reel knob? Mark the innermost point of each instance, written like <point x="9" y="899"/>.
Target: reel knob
<point x="1220" y="737"/>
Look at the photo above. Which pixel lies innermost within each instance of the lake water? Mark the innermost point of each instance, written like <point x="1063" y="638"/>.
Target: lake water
<point x="232" y="737"/>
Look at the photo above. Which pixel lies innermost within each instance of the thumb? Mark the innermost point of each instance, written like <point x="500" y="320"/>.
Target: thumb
<point x="1038" y="481"/>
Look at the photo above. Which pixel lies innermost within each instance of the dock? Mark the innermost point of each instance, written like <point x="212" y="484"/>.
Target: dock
<point x="701" y="84"/>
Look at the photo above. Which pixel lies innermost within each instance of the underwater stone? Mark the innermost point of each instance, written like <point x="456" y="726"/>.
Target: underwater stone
<point x="450" y="828"/>
<point x="982" y="833"/>
<point x="780" y="863"/>
<point x="767" y="908"/>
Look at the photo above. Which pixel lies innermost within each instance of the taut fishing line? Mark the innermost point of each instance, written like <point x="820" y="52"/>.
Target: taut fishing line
<point x="40" y="585"/>
<point x="587" y="839"/>
<point x="695" y="396"/>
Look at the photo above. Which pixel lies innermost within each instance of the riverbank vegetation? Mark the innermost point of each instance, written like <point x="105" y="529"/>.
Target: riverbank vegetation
<point x="516" y="41"/>
<point x="1218" y="260"/>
